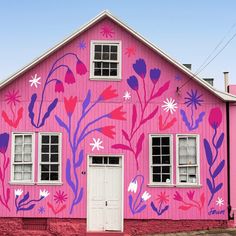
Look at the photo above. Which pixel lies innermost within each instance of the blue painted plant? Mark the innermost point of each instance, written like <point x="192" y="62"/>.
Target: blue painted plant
<point x="162" y="200"/>
<point x="69" y="79"/>
<point x="25" y="204"/>
<point x="192" y="101"/>
<point x="75" y="137"/>
<point x="137" y="203"/>
<point x="212" y="153"/>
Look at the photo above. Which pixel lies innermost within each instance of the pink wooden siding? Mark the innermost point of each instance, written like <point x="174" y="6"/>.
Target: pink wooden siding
<point x="197" y="208"/>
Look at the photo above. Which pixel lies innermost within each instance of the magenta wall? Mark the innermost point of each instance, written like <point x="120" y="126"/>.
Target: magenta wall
<point x="177" y="202"/>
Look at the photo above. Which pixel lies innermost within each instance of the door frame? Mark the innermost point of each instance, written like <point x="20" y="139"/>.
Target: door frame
<point x="122" y="189"/>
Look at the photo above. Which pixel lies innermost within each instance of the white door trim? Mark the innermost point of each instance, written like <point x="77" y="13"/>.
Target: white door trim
<point x="122" y="190"/>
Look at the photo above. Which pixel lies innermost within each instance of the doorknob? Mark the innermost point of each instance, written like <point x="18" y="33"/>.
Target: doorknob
<point x="105" y="203"/>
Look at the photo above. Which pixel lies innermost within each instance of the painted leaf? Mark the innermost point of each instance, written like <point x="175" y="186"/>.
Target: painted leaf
<point x="139" y="145"/>
<point x="220" y="141"/>
<point x="50" y="109"/>
<point x="164" y="209"/>
<point x="26" y="208"/>
<point x="0" y="173"/>
<point x="134" y="118"/>
<point x="25" y="198"/>
<point x="86" y="101"/>
<point x="140" y="209"/>
<point x="30" y="109"/>
<point x="209" y="184"/>
<point x="218" y="187"/>
<point x="8" y="195"/>
<point x="168" y="125"/>
<point x="125" y="135"/>
<point x="185" y="119"/>
<point x="7" y="163"/>
<point x="202" y="199"/>
<point x="68" y="176"/>
<point x="161" y="90"/>
<point x="130" y="203"/>
<point x="208" y="152"/>
<point x="184" y="208"/>
<point x="80" y="159"/>
<point x="219" y="168"/>
<point x="199" y="120"/>
<point x="13" y="123"/>
<point x="79" y="198"/>
<point x="150" y="116"/>
<point x="154" y="207"/>
<point x="121" y="146"/>
<point x="61" y="123"/>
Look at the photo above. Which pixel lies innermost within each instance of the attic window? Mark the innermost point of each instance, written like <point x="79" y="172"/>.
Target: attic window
<point x="105" y="61"/>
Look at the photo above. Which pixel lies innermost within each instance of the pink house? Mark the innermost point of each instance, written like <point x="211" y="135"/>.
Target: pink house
<point x="106" y="132"/>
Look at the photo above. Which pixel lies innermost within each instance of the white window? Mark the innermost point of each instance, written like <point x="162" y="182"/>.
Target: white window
<point x="105" y="61"/>
<point x="23" y="157"/>
<point x="187" y="159"/>
<point x="160" y="159"/>
<point x="49" y="157"/>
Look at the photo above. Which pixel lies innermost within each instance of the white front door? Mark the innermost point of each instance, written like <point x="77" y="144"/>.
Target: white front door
<point x="105" y="193"/>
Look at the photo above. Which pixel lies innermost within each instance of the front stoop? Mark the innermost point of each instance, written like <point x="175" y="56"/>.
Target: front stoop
<point x="106" y="234"/>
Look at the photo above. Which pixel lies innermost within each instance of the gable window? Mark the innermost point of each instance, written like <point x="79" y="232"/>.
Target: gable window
<point x="23" y="156"/>
<point x="187" y="159"/>
<point x="105" y="61"/>
<point x="160" y="159"/>
<point x="49" y="157"/>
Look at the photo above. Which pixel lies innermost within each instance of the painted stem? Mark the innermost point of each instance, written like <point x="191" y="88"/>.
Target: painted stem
<point x="139" y="193"/>
<point x="33" y="200"/>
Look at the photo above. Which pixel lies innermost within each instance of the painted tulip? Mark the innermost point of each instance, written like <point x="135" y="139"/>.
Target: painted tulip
<point x="155" y="75"/>
<point x="69" y="77"/>
<point x="70" y="104"/>
<point x="178" y="197"/>
<point x="18" y="192"/>
<point x="215" y="117"/>
<point x="4" y="139"/>
<point x="107" y="131"/>
<point x="133" y="186"/>
<point x="59" y="87"/>
<point x="190" y="194"/>
<point x="81" y="68"/>
<point x="140" y="68"/>
<point x="133" y="82"/>
<point x="108" y="93"/>
<point x="117" y="114"/>
<point x="146" y="196"/>
<point x="43" y="193"/>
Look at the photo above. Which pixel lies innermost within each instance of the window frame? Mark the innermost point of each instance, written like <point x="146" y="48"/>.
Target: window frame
<point x="151" y="183"/>
<point x="119" y="60"/>
<point x="50" y="182"/>
<point x="22" y="182"/>
<point x="198" y="177"/>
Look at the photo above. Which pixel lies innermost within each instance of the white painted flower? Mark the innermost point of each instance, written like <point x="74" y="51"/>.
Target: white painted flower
<point x="146" y="196"/>
<point x="127" y="96"/>
<point x="220" y="202"/>
<point x="35" y="81"/>
<point x="133" y="186"/>
<point x="96" y="144"/>
<point x="170" y="105"/>
<point x="43" y="193"/>
<point x="18" y="192"/>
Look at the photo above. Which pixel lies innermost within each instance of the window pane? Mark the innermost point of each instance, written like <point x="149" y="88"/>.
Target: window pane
<point x="156" y="169"/>
<point x="165" y="159"/>
<point x="156" y="178"/>
<point x="105" y="48"/>
<point x="45" y="158"/>
<point x="17" y="168"/>
<point x="113" y="65"/>
<point x="18" y="139"/>
<point x="27" y="176"/>
<point x="97" y="56"/>
<point x="105" y="56"/>
<point x="166" y="178"/>
<point x="156" y="150"/>
<point x="165" y="141"/>
<point x="53" y="176"/>
<point x="27" y="158"/>
<point x="28" y="139"/>
<point x="97" y="72"/>
<point x="114" y="160"/>
<point x="156" y="141"/>
<point x="156" y="160"/>
<point x="54" y="148"/>
<point x="113" y="56"/>
<point x="165" y="150"/>
<point x="54" y="167"/>
<point x="27" y="168"/>
<point x="54" y="139"/>
<point x="18" y="149"/>
<point x="113" y="72"/>
<point x="105" y="72"/>
<point x="105" y="65"/>
<point x="45" y="139"/>
<point x="45" y="148"/>
<point x="45" y="168"/>
<point x="113" y="48"/>
<point x="54" y="157"/>
<point x="17" y="176"/>
<point x="183" y="160"/>
<point x="98" y="48"/>
<point x="97" y="65"/>
<point x="18" y="158"/>
<point x="165" y="169"/>
<point x="44" y="176"/>
<point x="96" y="160"/>
<point x="27" y="148"/>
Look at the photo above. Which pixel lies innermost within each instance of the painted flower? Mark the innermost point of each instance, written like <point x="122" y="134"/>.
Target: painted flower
<point x="190" y="195"/>
<point x="69" y="77"/>
<point x="140" y="68"/>
<point x="162" y="198"/>
<point x="108" y="93"/>
<point x="18" y="192"/>
<point x="215" y="117"/>
<point x="177" y="196"/>
<point x="70" y="104"/>
<point x="170" y="105"/>
<point x="133" y="82"/>
<point x="117" y="114"/>
<point x="41" y="210"/>
<point x="146" y="196"/>
<point x="12" y="97"/>
<point x="82" y="44"/>
<point x="81" y="68"/>
<point x="220" y="202"/>
<point x="59" y="87"/>
<point x="155" y="75"/>
<point x="107" y="130"/>
<point x="193" y="99"/>
<point x="60" y="197"/>
<point x="107" y="31"/>
<point x="133" y="186"/>
<point x="130" y="51"/>
<point x="4" y="139"/>
<point x="43" y="193"/>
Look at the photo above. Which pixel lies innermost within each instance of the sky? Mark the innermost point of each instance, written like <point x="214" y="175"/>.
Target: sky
<point x="188" y="31"/>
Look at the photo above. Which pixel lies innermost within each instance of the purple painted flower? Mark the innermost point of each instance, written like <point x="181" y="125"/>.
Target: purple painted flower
<point x="59" y="87"/>
<point x="215" y="117"/>
<point x="4" y="138"/>
<point x="69" y="77"/>
<point x="155" y="75"/>
<point x="140" y="68"/>
<point x="133" y="82"/>
<point x="193" y="99"/>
